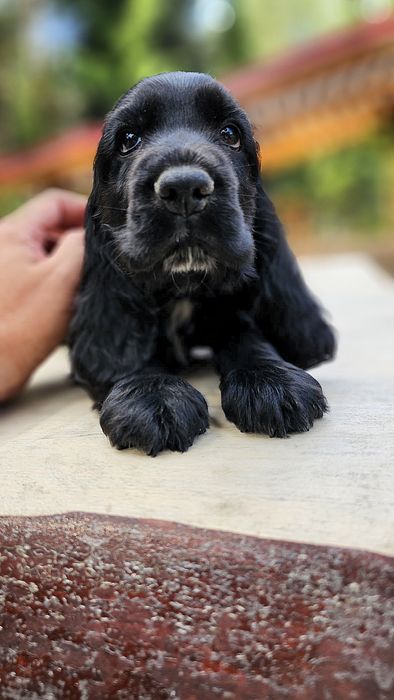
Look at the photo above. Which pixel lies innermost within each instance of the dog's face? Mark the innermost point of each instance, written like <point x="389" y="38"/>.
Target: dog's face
<point x="175" y="180"/>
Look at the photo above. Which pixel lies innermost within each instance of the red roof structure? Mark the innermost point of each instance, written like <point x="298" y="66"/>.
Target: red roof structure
<point x="322" y="95"/>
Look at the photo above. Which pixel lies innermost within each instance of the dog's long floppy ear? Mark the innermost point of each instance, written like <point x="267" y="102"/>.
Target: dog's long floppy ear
<point x="288" y="314"/>
<point x="111" y="331"/>
<point x="89" y="366"/>
<point x="94" y="233"/>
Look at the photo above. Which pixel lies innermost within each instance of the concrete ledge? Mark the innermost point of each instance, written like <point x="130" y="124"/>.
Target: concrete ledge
<point x="333" y="485"/>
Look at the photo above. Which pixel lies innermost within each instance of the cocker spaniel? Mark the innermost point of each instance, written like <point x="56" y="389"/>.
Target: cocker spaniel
<point x="184" y="249"/>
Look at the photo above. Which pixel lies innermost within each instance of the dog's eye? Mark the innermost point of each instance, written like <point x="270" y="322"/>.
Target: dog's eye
<point x="128" y="142"/>
<point x="231" y="136"/>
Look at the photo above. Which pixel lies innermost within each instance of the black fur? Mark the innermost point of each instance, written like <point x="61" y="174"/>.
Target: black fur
<point x="160" y="280"/>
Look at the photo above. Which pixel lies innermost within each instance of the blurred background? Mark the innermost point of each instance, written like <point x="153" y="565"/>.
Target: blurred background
<point x="316" y="78"/>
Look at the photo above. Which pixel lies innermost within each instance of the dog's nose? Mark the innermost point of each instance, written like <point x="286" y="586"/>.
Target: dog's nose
<point x="185" y="189"/>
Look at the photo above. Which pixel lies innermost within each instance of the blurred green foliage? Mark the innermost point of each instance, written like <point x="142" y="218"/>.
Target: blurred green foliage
<point x="350" y="190"/>
<point x="47" y="86"/>
<point x="50" y="80"/>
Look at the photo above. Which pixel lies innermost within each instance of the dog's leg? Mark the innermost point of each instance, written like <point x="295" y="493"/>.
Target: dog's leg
<point x="261" y="393"/>
<point x="289" y="316"/>
<point x="140" y="403"/>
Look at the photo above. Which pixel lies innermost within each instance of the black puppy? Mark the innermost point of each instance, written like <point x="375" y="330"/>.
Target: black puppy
<point x="185" y="249"/>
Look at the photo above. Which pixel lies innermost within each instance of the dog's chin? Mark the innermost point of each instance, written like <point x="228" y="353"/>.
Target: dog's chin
<point x="188" y="269"/>
<point x="187" y="260"/>
<point x="192" y="270"/>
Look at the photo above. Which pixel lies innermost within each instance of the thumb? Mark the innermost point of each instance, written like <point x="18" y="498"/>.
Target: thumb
<point x="51" y="301"/>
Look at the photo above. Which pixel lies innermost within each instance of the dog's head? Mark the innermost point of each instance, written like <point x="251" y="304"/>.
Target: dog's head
<point x="175" y="182"/>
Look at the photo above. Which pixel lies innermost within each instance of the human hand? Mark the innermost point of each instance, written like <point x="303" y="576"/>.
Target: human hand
<point x="41" y="254"/>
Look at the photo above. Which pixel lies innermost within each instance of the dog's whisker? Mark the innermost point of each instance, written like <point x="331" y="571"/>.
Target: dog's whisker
<point x="114" y="208"/>
<point x="175" y="284"/>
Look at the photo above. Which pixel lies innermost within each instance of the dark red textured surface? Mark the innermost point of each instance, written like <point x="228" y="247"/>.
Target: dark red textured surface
<point x="104" y="607"/>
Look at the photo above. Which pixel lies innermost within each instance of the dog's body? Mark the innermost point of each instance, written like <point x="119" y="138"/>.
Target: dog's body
<point x="185" y="249"/>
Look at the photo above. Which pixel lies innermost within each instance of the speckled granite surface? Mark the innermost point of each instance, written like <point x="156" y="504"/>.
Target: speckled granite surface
<point x="104" y="607"/>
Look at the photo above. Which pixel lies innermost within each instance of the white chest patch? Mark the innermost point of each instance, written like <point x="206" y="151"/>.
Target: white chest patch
<point x="181" y="314"/>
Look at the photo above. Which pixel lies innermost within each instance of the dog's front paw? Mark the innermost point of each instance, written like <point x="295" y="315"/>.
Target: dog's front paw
<point x="274" y="399"/>
<point x="154" y="413"/>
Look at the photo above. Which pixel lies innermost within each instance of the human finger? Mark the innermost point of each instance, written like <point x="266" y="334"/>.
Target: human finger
<point x="53" y="209"/>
